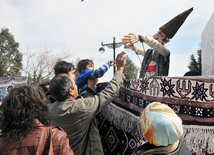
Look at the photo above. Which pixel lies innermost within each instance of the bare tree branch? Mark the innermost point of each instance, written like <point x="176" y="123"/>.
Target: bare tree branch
<point x="39" y="65"/>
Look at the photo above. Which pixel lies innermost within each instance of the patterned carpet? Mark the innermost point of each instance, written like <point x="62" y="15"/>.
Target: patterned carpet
<point x="192" y="98"/>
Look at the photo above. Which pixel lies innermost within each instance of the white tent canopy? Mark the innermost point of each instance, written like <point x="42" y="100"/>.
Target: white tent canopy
<point x="207" y="47"/>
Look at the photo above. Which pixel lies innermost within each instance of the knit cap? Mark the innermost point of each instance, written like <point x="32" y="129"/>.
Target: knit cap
<point x="160" y="125"/>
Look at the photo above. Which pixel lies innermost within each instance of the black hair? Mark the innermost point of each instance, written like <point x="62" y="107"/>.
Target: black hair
<point x="43" y="86"/>
<point x="192" y="73"/>
<point x="60" y="86"/>
<point x="63" y="67"/>
<point x="9" y="88"/>
<point x="83" y="63"/>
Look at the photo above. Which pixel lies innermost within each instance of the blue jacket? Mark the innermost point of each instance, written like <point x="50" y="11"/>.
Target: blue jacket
<point x="82" y="79"/>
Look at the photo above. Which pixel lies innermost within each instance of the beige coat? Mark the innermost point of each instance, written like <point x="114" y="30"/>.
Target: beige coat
<point x="77" y="118"/>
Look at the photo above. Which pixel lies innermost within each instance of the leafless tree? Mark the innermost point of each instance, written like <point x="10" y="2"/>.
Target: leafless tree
<point x="39" y="66"/>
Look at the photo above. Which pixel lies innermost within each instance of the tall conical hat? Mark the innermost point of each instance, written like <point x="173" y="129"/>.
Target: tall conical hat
<point x="171" y="27"/>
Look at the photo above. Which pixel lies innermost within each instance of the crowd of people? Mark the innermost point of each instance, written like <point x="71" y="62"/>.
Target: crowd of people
<point x="59" y="117"/>
<point x="31" y="124"/>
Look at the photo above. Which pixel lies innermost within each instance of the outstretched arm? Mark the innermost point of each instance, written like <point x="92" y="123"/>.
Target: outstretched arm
<point x="99" y="72"/>
<point x="156" y="45"/>
<point x="131" y="39"/>
<point x="96" y="103"/>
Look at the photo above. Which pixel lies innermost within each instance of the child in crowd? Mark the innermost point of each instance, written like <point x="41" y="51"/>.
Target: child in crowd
<point x="86" y="70"/>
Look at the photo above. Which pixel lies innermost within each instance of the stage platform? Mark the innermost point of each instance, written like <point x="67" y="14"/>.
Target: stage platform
<point x="192" y="98"/>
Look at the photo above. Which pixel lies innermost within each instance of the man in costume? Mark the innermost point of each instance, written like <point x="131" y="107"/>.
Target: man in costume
<point x="156" y="60"/>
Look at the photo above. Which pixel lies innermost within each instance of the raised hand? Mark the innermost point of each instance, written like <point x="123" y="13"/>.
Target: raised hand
<point x="130" y="39"/>
<point x="120" y="61"/>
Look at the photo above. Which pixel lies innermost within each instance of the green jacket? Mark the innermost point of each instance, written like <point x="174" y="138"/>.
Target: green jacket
<point x="77" y="118"/>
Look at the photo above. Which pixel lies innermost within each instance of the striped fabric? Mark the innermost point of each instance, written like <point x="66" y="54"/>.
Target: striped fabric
<point x="160" y="125"/>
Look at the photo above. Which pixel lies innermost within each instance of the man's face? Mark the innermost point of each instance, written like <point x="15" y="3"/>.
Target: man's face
<point x="159" y="38"/>
<point x="90" y="66"/>
<point x="71" y="73"/>
<point x="75" y="90"/>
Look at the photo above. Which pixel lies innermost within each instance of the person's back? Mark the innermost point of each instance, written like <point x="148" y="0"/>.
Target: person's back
<point x="26" y="124"/>
<point x="77" y="115"/>
<point x="86" y="70"/>
<point x="79" y="124"/>
<point x="77" y="118"/>
<point x="28" y="145"/>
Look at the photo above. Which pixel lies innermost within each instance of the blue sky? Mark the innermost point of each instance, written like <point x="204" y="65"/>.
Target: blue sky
<point x="81" y="26"/>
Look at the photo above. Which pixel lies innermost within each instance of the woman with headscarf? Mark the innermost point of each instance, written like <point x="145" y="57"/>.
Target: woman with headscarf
<point x="163" y="130"/>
